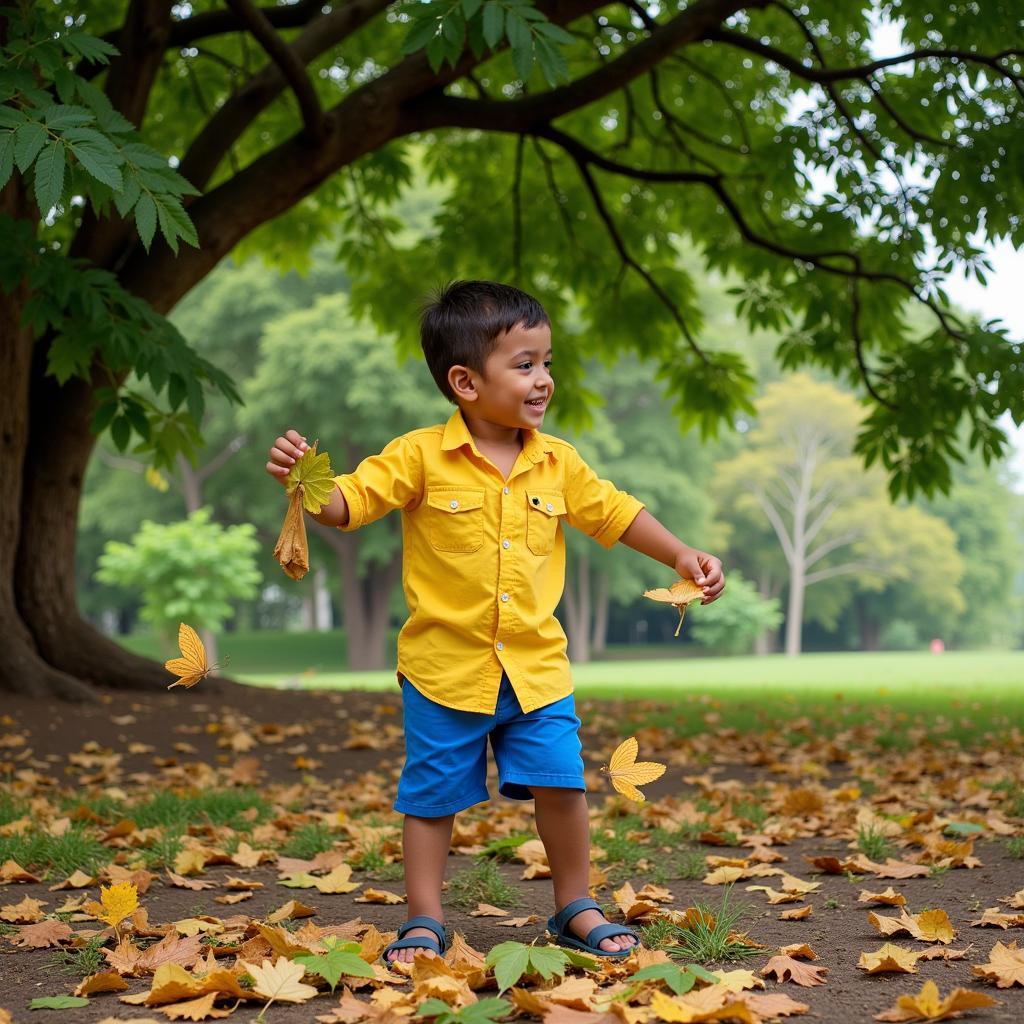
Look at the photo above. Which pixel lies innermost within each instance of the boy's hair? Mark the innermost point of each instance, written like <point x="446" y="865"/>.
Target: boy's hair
<point x="460" y="324"/>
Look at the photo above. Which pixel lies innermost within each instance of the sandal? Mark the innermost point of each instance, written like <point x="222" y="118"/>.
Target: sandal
<point x="438" y="945"/>
<point x="558" y="927"/>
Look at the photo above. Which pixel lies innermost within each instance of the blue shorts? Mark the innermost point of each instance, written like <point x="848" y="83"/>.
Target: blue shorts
<point x="445" y="767"/>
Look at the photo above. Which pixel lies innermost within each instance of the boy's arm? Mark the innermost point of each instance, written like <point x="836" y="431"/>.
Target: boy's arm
<point x="335" y="512"/>
<point x="646" y="535"/>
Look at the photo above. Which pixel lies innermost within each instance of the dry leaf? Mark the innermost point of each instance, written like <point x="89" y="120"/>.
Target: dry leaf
<point x="626" y="773"/>
<point x="785" y="968"/>
<point x="280" y="980"/>
<point x="104" y="981"/>
<point x="1005" y="966"/>
<point x="309" y="485"/>
<point x="926" y="1005"/>
<point x="191" y="666"/>
<point x="889" y="959"/>
<point x="42" y="935"/>
<point x="679" y="595"/>
<point x="379" y="896"/>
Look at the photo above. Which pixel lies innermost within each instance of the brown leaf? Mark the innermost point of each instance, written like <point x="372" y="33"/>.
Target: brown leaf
<point x="292" y="548"/>
<point x="890" y="897"/>
<point x="797" y="913"/>
<point x="1005" y="966"/>
<point x="486" y="910"/>
<point x="104" y="981"/>
<point x="28" y="911"/>
<point x="379" y="896"/>
<point x="774" y="1004"/>
<point x="42" y="935"/>
<point x="197" y="1009"/>
<point x="785" y="968"/>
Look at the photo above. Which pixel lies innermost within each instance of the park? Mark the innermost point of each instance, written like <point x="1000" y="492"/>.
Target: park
<point x="222" y="223"/>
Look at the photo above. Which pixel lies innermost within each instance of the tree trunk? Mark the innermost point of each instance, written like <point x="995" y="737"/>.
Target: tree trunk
<point x="365" y="603"/>
<point x="867" y="625"/>
<point x="602" y="601"/>
<point x="795" y="612"/>
<point x="577" y="603"/>
<point x="765" y="642"/>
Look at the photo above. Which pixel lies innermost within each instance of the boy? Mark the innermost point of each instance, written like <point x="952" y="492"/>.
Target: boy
<point x="481" y="655"/>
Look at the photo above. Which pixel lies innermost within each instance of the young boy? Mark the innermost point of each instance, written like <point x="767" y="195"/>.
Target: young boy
<point x="483" y="500"/>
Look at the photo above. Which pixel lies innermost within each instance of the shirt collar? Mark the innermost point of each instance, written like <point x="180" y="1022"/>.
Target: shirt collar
<point x="456" y="434"/>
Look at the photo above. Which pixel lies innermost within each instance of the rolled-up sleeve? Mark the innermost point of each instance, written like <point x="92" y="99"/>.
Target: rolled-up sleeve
<point x="380" y="483"/>
<point x="596" y="506"/>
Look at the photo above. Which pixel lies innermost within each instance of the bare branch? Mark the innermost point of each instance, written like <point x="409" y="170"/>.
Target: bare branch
<point x="293" y="69"/>
<point x="843" y="570"/>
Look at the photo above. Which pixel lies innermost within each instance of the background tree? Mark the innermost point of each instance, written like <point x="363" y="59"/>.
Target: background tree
<point x="830" y="518"/>
<point x="625" y="134"/>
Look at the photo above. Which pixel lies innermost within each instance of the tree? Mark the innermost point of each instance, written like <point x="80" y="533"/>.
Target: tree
<point x="638" y="131"/>
<point x="829" y="516"/>
<point x="358" y="398"/>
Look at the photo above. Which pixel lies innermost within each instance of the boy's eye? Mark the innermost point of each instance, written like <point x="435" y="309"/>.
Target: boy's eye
<point x="527" y="365"/>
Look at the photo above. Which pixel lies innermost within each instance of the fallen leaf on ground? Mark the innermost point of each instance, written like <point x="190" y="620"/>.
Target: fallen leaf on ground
<point x="280" y="980"/>
<point x="785" y="968"/>
<point x="926" y="1004"/>
<point x="889" y="959"/>
<point x="1005" y="966"/>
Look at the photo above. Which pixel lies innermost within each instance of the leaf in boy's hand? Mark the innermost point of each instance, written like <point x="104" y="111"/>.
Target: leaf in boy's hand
<point x="191" y="666"/>
<point x="679" y="595"/>
<point x="626" y="773"/>
<point x="309" y="485"/>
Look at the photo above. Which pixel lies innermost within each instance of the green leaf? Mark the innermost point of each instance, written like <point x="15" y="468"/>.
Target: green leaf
<point x="97" y="155"/>
<point x="6" y="156"/>
<point x="963" y="828"/>
<point x="421" y="33"/>
<point x="340" y="958"/>
<point x="145" y="219"/>
<point x="57" y="1002"/>
<point x="484" y="1011"/>
<point x="67" y="116"/>
<point x="49" y="181"/>
<point x="84" y="45"/>
<point x="552" y="62"/>
<point x="29" y="139"/>
<point x="518" y="31"/>
<point x="435" y="53"/>
<point x="470" y="7"/>
<point x="555" y="33"/>
<point x="494" y="23"/>
<point x="511" y="960"/>
<point x="11" y="117"/>
<point x="522" y="57"/>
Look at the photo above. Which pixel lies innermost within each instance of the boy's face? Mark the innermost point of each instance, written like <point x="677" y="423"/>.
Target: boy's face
<point x="517" y="385"/>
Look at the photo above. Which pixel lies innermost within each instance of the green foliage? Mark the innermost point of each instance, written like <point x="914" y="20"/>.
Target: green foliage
<point x="185" y="571"/>
<point x="82" y="961"/>
<point x="57" y="1002"/>
<point x="873" y="843"/>
<point x="512" y="960"/>
<point x="678" y="979"/>
<point x="710" y="936"/>
<point x="340" y="958"/>
<point x="483" y="1011"/>
<point x="733" y="622"/>
<point x="40" y="851"/>
<point x="308" y="840"/>
<point x="481" y="883"/>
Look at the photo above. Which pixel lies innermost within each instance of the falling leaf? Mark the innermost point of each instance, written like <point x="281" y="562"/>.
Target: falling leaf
<point x="785" y="968"/>
<point x="280" y="980"/>
<point x="626" y="773"/>
<point x="926" y="1005"/>
<point x="192" y="665"/>
<point x="1005" y="966"/>
<point x="679" y="595"/>
<point x="309" y="485"/>
<point x="889" y="959"/>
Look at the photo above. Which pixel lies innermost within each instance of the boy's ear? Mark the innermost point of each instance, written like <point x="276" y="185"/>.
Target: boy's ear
<point x="461" y="381"/>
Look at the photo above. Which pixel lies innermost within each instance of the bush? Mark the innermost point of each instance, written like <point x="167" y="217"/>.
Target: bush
<point x="733" y="622"/>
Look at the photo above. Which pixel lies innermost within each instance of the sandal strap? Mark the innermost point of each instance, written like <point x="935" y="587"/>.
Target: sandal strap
<point x="608" y="931"/>
<point x="424" y="921"/>
<point x="570" y="910"/>
<point x="414" y="941"/>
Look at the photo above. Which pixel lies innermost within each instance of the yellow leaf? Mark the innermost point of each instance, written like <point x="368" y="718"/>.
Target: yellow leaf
<point x="926" y="1005"/>
<point x="679" y="595"/>
<point x="626" y="773"/>
<point x="192" y="665"/>
<point x="1005" y="966"/>
<point x="281" y="980"/>
<point x="117" y="902"/>
<point x="309" y="485"/>
<point x="889" y="958"/>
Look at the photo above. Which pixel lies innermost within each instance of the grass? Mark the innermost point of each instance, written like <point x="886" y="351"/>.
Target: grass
<point x="309" y="840"/>
<point x="1015" y="847"/>
<point x="79" y="962"/>
<point x="709" y="938"/>
<point x="39" y="851"/>
<point x="481" y="883"/>
<point x="873" y="843"/>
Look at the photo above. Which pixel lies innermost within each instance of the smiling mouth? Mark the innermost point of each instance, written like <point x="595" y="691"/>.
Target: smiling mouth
<point x="537" y="403"/>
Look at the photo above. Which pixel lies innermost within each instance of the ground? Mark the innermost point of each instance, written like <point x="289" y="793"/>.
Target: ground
<point x="322" y="767"/>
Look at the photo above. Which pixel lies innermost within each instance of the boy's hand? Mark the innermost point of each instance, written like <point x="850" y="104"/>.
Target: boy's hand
<point x="705" y="570"/>
<point x="286" y="452"/>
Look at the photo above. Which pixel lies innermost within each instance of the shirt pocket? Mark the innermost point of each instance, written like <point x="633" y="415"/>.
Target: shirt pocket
<point x="543" y="509"/>
<point x="455" y="518"/>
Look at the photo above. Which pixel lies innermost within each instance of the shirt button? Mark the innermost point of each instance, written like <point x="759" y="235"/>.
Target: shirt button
<point x="455" y="504"/>
<point x="506" y="490"/>
<point x="504" y="597"/>
<point x="500" y="646"/>
<point x="551" y="507"/>
<point x="505" y="544"/>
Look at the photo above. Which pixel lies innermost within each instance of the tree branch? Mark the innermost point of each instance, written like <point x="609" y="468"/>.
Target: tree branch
<point x="293" y="69"/>
<point x="843" y="570"/>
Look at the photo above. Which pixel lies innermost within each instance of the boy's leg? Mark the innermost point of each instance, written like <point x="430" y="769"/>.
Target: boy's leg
<point x="426" y="842"/>
<point x="564" y="828"/>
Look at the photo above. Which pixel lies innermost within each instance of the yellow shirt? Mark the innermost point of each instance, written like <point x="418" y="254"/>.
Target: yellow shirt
<point x="483" y="561"/>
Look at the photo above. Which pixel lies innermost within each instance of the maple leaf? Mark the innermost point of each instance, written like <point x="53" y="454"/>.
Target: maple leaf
<point x="511" y="960"/>
<point x="889" y="959"/>
<point x="196" y="1009"/>
<point x="280" y="980"/>
<point x="309" y="485"/>
<point x="626" y="773"/>
<point x="673" y="1010"/>
<point x="1005" y="966"/>
<point x="679" y="595"/>
<point x="117" y="902"/>
<point x="192" y="665"/>
<point x="484" y="1011"/>
<point x="41" y="935"/>
<point x="340" y="958"/>
<point x="785" y="968"/>
<point x="926" y="1005"/>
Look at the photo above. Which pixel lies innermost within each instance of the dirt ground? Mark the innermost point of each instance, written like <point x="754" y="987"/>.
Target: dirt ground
<point x="347" y="747"/>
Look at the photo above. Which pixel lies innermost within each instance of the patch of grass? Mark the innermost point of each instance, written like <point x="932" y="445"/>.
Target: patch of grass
<point x="873" y="843"/>
<point x="79" y="962"/>
<point x="161" y="852"/>
<point x="1015" y="847"/>
<point x="11" y="809"/>
<point x="481" y="883"/>
<point x="831" y="903"/>
<point x="309" y="840"/>
<point x="232" y="808"/>
<point x="704" y="942"/>
<point x="371" y="860"/>
<point x="38" y="851"/>
<point x="936" y="870"/>
<point x="505" y="848"/>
